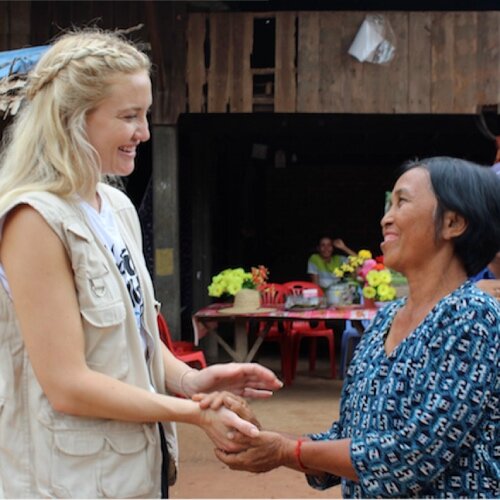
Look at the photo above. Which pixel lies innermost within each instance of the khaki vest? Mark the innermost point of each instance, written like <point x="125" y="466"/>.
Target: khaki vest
<point x="44" y="453"/>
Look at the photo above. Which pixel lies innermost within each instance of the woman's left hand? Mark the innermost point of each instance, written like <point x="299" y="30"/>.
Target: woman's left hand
<point x="265" y="452"/>
<point x="249" y="380"/>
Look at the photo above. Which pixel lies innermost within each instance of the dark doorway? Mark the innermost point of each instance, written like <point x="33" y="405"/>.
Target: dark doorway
<point x="273" y="183"/>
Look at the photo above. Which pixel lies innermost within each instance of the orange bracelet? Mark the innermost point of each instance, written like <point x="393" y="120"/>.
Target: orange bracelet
<point x="297" y="453"/>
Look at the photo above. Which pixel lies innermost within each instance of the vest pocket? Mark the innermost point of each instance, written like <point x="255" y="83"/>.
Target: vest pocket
<point x="105" y="315"/>
<point x="93" y="464"/>
<point x="127" y="466"/>
<point x="106" y="343"/>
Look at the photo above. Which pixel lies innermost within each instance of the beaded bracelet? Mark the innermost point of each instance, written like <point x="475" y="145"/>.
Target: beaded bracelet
<point x="297" y="454"/>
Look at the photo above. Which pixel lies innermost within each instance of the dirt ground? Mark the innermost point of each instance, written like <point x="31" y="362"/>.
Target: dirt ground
<point x="309" y="405"/>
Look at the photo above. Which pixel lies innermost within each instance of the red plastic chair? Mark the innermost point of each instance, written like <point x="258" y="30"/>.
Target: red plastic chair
<point x="304" y="329"/>
<point x="184" y="350"/>
<point x="272" y="294"/>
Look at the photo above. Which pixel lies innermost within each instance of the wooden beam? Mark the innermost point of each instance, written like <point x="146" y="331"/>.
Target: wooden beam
<point x="285" y="78"/>
<point x="196" y="74"/>
<point x="442" y="62"/>
<point x="308" y="63"/>
<point x="168" y="48"/>
<point x="465" y="53"/>
<point x="488" y="58"/>
<point x="166" y="223"/>
<point x="19" y="24"/>
<point x="220" y="61"/>
<point x="419" y="62"/>
<point x="240" y="98"/>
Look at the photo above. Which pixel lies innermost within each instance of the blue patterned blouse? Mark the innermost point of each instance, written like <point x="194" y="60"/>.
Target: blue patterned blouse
<point x="424" y="421"/>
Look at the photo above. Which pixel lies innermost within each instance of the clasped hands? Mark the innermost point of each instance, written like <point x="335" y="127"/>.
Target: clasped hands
<point x="241" y="446"/>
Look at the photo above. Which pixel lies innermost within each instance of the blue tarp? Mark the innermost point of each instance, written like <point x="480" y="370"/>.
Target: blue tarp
<point x="20" y="60"/>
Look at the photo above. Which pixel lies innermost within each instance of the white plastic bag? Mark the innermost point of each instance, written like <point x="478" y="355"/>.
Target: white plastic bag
<point x="374" y="41"/>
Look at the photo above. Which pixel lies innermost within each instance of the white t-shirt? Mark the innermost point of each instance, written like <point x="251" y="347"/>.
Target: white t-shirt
<point x="104" y="225"/>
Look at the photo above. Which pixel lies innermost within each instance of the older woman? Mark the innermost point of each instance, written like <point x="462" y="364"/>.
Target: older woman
<point x="419" y="414"/>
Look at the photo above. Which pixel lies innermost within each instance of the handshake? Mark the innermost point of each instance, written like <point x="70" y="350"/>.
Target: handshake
<point x="239" y="439"/>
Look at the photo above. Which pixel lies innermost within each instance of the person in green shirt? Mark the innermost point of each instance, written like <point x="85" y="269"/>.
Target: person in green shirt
<point x="320" y="265"/>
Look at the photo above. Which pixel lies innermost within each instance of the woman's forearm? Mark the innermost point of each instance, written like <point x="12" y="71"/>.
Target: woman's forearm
<point x="328" y="456"/>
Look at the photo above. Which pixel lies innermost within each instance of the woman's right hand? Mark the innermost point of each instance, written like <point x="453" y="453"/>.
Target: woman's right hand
<point x="221" y="424"/>
<point x="237" y="404"/>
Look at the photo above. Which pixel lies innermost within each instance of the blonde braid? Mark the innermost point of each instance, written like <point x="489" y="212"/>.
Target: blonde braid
<point x="48" y="148"/>
<point x="45" y="75"/>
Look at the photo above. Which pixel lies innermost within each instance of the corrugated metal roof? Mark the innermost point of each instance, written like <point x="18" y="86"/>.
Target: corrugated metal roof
<point x="20" y="60"/>
<point x="14" y="68"/>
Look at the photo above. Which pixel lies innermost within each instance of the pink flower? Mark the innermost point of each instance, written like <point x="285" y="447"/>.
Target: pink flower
<point x="367" y="266"/>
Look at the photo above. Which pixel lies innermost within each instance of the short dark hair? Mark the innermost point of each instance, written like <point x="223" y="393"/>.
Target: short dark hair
<point x="472" y="191"/>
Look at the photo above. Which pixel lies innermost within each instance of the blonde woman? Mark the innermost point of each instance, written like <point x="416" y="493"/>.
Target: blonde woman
<point x="84" y="378"/>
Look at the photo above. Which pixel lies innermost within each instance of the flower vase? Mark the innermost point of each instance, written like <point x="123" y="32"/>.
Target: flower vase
<point x="369" y="303"/>
<point x="340" y="294"/>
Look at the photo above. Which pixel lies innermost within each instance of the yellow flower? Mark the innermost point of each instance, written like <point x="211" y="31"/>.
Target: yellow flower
<point x="364" y="255"/>
<point x="373" y="278"/>
<point x="338" y="272"/>
<point x="369" y="292"/>
<point x="386" y="292"/>
<point x="385" y="276"/>
<point x="215" y="290"/>
<point x="231" y="281"/>
<point x="234" y="286"/>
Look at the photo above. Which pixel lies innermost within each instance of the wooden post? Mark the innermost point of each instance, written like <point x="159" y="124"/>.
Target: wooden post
<point x="167" y="24"/>
<point x="166" y="224"/>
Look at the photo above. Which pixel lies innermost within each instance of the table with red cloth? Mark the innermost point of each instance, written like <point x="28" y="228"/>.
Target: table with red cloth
<point x="206" y="322"/>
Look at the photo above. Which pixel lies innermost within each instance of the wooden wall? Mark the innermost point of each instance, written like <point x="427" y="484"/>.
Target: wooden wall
<point x="446" y="62"/>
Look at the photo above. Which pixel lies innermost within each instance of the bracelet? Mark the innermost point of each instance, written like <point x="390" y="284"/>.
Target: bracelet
<point x="181" y="381"/>
<point x="297" y="454"/>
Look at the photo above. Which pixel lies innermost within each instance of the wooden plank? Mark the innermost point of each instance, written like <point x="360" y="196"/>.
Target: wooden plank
<point x="308" y="63"/>
<point x="61" y="19"/>
<point x="196" y="76"/>
<point x="218" y="72"/>
<point x="488" y="58"/>
<point x="285" y="77"/>
<point x="394" y="74"/>
<point x="358" y="84"/>
<point x="20" y="24"/>
<point x="442" y="62"/>
<point x="240" y="99"/>
<point x="4" y="25"/>
<point x="384" y="86"/>
<point x="465" y="56"/>
<point x="419" y="62"/>
<point x="173" y="34"/>
<point x="41" y="20"/>
<point x="331" y="71"/>
<point x="433" y="70"/>
<point x="82" y="13"/>
<point x="167" y="27"/>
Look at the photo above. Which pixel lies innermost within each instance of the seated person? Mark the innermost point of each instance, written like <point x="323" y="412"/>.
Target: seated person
<point x="320" y="265"/>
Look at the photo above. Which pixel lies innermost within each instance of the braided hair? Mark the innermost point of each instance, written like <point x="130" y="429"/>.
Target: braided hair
<point x="47" y="148"/>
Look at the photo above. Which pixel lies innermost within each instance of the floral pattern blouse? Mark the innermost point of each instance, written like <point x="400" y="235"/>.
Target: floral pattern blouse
<point x="424" y="421"/>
